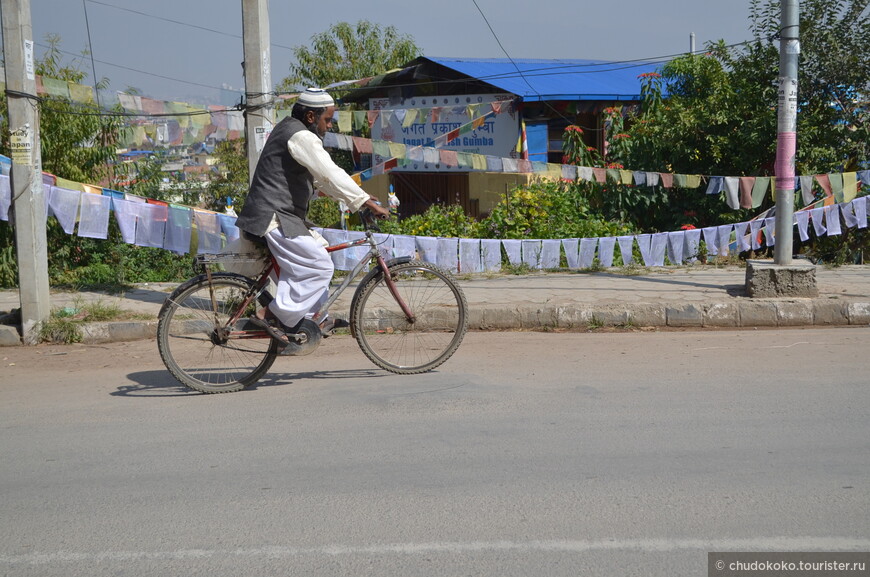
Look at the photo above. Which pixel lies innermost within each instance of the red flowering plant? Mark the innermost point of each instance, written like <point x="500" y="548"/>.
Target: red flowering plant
<point x="576" y="150"/>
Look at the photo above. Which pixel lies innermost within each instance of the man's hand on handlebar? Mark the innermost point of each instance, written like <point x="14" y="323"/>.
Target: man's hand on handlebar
<point x="376" y="209"/>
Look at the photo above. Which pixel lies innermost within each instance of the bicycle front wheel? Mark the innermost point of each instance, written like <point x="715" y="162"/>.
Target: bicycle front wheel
<point x="198" y="345"/>
<point x="397" y="343"/>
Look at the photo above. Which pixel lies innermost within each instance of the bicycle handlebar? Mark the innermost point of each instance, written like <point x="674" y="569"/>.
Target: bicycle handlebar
<point x="369" y="220"/>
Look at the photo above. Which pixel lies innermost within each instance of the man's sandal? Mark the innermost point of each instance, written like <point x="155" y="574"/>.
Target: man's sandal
<point x="276" y="329"/>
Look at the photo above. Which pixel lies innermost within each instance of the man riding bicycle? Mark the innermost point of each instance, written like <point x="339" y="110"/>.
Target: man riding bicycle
<point x="292" y="167"/>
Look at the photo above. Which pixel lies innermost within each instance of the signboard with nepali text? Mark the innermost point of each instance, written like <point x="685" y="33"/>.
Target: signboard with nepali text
<point x="420" y="120"/>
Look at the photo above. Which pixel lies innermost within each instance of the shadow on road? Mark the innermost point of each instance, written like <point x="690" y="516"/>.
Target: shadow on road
<point x="163" y="384"/>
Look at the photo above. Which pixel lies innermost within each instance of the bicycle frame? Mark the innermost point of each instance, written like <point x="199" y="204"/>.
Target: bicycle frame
<point x="374" y="255"/>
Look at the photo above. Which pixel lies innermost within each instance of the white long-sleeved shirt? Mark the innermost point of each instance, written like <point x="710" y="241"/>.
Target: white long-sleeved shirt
<point x="307" y="149"/>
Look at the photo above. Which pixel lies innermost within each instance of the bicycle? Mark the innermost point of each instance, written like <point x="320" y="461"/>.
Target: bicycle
<point x="408" y="316"/>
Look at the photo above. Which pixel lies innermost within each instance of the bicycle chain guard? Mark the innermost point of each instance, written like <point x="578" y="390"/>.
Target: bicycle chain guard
<point x="310" y="337"/>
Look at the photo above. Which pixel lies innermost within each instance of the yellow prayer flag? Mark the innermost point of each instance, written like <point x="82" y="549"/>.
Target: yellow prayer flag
<point x="81" y="93"/>
<point x="850" y="186"/>
<point x="410" y="117"/>
<point x="345" y="121"/>
<point x="397" y="150"/>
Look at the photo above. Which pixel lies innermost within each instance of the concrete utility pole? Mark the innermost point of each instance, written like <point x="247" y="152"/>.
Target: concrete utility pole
<point x="784" y="277"/>
<point x="27" y="212"/>
<point x="786" y="131"/>
<point x="259" y="115"/>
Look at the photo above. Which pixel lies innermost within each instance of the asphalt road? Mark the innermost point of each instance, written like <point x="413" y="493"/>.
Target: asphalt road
<point x="527" y="454"/>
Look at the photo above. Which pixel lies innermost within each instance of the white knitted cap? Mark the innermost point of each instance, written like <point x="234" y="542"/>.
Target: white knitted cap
<point x="315" y="98"/>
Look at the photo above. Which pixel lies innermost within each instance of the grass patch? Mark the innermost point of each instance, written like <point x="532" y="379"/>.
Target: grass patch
<point x="64" y="323"/>
<point x="517" y="269"/>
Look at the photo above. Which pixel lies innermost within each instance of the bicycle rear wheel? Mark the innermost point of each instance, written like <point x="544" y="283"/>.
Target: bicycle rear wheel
<point x="407" y="346"/>
<point x="198" y="346"/>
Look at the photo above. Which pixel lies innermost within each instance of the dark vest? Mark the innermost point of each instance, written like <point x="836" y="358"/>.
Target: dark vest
<point x="281" y="186"/>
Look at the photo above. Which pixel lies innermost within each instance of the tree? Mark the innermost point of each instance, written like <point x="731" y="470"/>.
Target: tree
<point x="720" y="115"/>
<point x="348" y="52"/>
<point x="77" y="141"/>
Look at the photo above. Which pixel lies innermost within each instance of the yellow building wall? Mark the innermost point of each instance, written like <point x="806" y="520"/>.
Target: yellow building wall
<point x="490" y="187"/>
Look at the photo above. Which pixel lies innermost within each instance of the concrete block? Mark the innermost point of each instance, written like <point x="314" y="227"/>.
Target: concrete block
<point x="757" y="314"/>
<point x="685" y="316"/>
<point x="609" y="316"/>
<point x="131" y="331"/>
<point x="859" y="313"/>
<point x="721" y="315"/>
<point x="93" y="333"/>
<point x="794" y="313"/>
<point x="9" y="336"/>
<point x="764" y="279"/>
<point x="829" y="312"/>
<point x="648" y="316"/>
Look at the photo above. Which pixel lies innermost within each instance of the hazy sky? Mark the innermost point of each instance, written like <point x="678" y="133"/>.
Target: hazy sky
<point x="186" y="49"/>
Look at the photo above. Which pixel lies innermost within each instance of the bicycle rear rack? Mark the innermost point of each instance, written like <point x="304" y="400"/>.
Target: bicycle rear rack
<point x="202" y="262"/>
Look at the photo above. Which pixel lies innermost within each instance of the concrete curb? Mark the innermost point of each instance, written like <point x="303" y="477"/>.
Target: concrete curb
<point x="740" y="314"/>
<point x="820" y="312"/>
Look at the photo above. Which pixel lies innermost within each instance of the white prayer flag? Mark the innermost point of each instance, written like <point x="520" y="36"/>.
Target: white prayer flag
<point x="676" y="242"/>
<point x="95" y="209"/>
<point x="807" y="190"/>
<point x="572" y="257"/>
<point x="817" y="214"/>
<point x="404" y="245"/>
<point x="754" y="228"/>
<point x="532" y="253"/>
<point x="469" y="255"/>
<point x="150" y="224"/>
<point x="860" y="206"/>
<point x="711" y="240"/>
<point x="355" y="254"/>
<point x="725" y="239"/>
<point x="513" y="249"/>
<point x="605" y="251"/>
<point x="743" y="243"/>
<point x="626" y="246"/>
<point x="178" y="230"/>
<point x="126" y="215"/>
<point x="448" y="254"/>
<point x="693" y="244"/>
<point x="490" y="249"/>
<point x="732" y="192"/>
<point x="770" y="231"/>
<point x="657" y="248"/>
<point x="208" y="232"/>
<point x="64" y="205"/>
<point x="551" y="252"/>
<point x="832" y="220"/>
<point x="427" y="246"/>
<point x="587" y="252"/>
<point x="334" y="237"/>
<point x="5" y="197"/>
<point x="644" y="241"/>
<point x="848" y="213"/>
<point x="385" y="244"/>
<point x="228" y="226"/>
<point x="802" y="219"/>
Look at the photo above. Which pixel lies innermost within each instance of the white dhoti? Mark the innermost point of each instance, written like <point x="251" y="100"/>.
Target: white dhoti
<point x="306" y="270"/>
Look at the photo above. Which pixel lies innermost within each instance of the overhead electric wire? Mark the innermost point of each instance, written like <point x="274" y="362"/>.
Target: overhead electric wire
<point x="131" y="69"/>
<point x="180" y="23"/>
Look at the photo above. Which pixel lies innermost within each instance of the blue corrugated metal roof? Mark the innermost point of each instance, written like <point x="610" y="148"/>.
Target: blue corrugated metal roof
<point x="556" y="79"/>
